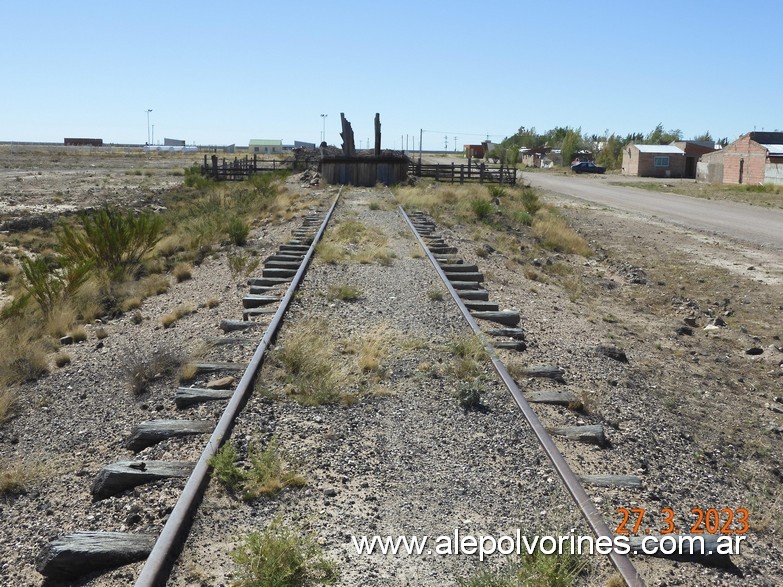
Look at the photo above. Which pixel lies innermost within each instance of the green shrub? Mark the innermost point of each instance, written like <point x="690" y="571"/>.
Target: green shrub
<point x="481" y="208"/>
<point x="496" y="191"/>
<point x="522" y="217"/>
<point x="49" y="286"/>
<point x="530" y="201"/>
<point x="195" y="179"/>
<point x="281" y="557"/>
<point x="111" y="240"/>
<point x="224" y="466"/>
<point x="238" y="231"/>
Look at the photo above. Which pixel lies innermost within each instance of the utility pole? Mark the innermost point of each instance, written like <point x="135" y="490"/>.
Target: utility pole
<point x="445" y="144"/>
<point x="455" y="144"/>
<point x="421" y="134"/>
<point x="323" y="131"/>
<point x="148" y="125"/>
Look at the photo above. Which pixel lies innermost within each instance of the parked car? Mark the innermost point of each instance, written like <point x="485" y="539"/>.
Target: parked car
<point x="587" y="167"/>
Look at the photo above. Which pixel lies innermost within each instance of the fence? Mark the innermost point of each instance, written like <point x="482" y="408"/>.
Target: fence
<point x="462" y="173"/>
<point x="241" y="168"/>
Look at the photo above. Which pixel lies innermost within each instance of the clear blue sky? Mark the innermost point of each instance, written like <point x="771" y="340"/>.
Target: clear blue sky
<point x="226" y="72"/>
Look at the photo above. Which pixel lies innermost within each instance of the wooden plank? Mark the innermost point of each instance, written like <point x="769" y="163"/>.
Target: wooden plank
<point x="233" y="325"/>
<point x="468" y="276"/>
<point x="548" y="371"/>
<point x="155" y="431"/>
<point x="474" y="294"/>
<point x="207" y="367"/>
<point x="255" y="301"/>
<point x="591" y="433"/>
<point x="122" y="475"/>
<point x="457" y="268"/>
<point x="80" y="553"/>
<point x="188" y="396"/>
<point x="560" y="398"/>
<point x="481" y="305"/>
<point x="463" y="285"/>
<point x="515" y="333"/>
<point x="505" y="317"/>
<point x="279" y="273"/>
<point x="267" y="281"/>
<point x="510" y="345"/>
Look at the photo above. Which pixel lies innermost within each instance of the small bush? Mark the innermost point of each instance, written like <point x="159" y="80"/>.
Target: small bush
<point x="238" y="231"/>
<point x="100" y="333"/>
<point x="142" y="370"/>
<point x="62" y="359"/>
<point x="224" y="466"/>
<point x="7" y="272"/>
<point x="195" y="179"/>
<point x="522" y="217"/>
<point x="468" y="396"/>
<point x="79" y="334"/>
<point x="481" y="208"/>
<point x="267" y="474"/>
<point x="496" y="191"/>
<point x="111" y="240"/>
<point x="436" y="295"/>
<point x="281" y="557"/>
<point x="530" y="201"/>
<point x="345" y="293"/>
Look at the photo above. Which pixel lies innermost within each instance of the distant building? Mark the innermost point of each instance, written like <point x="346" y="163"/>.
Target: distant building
<point x="693" y="151"/>
<point x="754" y="158"/>
<point x="83" y="142"/>
<point x="173" y="143"/>
<point x="303" y="145"/>
<point x="653" y="161"/>
<point x="265" y="147"/>
<point x="534" y="156"/>
<point x="474" y="151"/>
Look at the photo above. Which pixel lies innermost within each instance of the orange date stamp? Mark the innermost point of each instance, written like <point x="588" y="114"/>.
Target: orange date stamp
<point x="709" y="521"/>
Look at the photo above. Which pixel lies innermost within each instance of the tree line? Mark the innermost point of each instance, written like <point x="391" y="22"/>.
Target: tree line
<point x="607" y="149"/>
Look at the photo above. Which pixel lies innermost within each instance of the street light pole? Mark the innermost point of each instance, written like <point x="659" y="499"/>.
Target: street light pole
<point x="148" y="125"/>
<point x="323" y="132"/>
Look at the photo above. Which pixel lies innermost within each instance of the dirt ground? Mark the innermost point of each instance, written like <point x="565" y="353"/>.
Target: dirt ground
<point x="696" y="412"/>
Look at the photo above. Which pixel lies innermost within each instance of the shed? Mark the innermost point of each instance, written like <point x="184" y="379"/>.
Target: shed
<point x="265" y="146"/>
<point x="533" y="156"/>
<point x="653" y="161"/>
<point x="389" y="168"/>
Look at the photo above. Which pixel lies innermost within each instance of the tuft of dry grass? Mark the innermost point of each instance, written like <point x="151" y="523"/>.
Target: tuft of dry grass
<point x="78" y="333"/>
<point x="15" y="477"/>
<point x="167" y="320"/>
<point x="142" y="370"/>
<point x="62" y="359"/>
<point x="23" y="355"/>
<point x="345" y="293"/>
<point x="183" y="272"/>
<point x="469" y="355"/>
<point x="187" y="372"/>
<point x="101" y="333"/>
<point x="373" y="348"/>
<point x="307" y="354"/>
<point x="9" y="403"/>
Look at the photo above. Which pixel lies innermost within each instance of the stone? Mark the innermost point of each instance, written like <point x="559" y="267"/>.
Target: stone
<point x="222" y="383"/>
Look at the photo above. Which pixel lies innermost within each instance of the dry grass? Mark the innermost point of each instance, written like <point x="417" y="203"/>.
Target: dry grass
<point x="78" y="333"/>
<point x="62" y="359"/>
<point x="16" y="477"/>
<point x="187" y="372"/>
<point x="308" y="355"/>
<point x="183" y="272"/>
<point x="142" y="370"/>
<point x="345" y="293"/>
<point x="373" y="348"/>
<point x="469" y="354"/>
<point x="554" y="233"/>
<point x="23" y="354"/>
<point x="9" y="403"/>
<point x="353" y="241"/>
<point x="167" y="320"/>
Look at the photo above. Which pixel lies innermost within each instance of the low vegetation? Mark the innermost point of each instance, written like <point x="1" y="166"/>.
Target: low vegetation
<point x="345" y="293"/>
<point x="350" y="240"/>
<point x="469" y="356"/>
<point x="266" y="475"/>
<point x="550" y="570"/>
<point x="282" y="557"/>
<point x="142" y="370"/>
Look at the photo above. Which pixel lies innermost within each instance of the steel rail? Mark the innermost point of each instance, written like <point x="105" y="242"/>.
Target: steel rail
<point x="591" y="514"/>
<point x="165" y="551"/>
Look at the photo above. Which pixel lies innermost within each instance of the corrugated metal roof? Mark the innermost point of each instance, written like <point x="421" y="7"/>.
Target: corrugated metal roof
<point x="659" y="149"/>
<point x="773" y="149"/>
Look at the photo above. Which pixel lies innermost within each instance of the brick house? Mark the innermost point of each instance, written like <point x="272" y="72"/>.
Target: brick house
<point x="754" y="158"/>
<point x="693" y="151"/>
<point x="653" y="161"/>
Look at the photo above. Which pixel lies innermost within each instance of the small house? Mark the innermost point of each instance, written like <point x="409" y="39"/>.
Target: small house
<point x="693" y="150"/>
<point x="653" y="161"/>
<point x="265" y="147"/>
<point x="754" y="158"/>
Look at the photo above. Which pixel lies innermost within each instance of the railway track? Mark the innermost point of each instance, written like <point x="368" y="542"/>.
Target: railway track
<point x="83" y="553"/>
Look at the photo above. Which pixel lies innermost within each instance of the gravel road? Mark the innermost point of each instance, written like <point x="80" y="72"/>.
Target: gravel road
<point x="757" y="225"/>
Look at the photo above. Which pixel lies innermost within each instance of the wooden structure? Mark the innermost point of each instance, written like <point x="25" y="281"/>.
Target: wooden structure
<point x="365" y="171"/>
<point x="453" y="173"/>
<point x="241" y="168"/>
<point x="363" y="168"/>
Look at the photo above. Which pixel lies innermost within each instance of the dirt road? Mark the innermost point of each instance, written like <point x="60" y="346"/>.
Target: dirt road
<point x="760" y="226"/>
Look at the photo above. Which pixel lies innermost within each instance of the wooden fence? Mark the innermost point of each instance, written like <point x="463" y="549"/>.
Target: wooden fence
<point x="241" y="168"/>
<point x="462" y="173"/>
